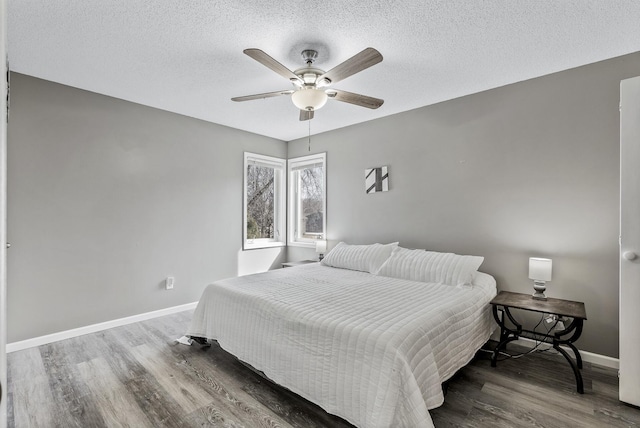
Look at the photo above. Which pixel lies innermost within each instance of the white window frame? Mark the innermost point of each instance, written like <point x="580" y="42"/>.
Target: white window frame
<point x="280" y="210"/>
<point x="294" y="203"/>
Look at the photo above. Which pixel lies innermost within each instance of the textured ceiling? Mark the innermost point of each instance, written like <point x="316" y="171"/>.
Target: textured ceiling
<point x="186" y="56"/>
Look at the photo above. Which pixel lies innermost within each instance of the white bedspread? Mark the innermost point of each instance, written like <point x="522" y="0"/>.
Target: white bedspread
<point x="370" y="349"/>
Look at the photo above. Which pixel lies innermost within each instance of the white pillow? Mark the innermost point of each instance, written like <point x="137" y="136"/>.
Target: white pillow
<point x="365" y="258"/>
<point x="431" y="266"/>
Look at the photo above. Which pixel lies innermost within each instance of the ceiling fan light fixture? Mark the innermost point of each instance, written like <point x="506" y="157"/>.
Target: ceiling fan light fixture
<point x="309" y="99"/>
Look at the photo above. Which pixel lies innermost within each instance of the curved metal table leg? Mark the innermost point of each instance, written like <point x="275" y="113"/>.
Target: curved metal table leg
<point x="576" y="328"/>
<point x="576" y="353"/>
<point x="573" y="365"/>
<point x="506" y="334"/>
<point x="501" y="345"/>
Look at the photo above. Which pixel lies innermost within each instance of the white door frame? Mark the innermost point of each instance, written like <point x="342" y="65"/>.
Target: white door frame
<point x="4" y="59"/>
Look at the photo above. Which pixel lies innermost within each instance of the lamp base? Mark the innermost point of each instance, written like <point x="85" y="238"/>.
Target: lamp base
<point x="540" y="288"/>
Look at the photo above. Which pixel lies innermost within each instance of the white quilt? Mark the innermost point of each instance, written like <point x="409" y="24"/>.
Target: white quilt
<point x="370" y="349"/>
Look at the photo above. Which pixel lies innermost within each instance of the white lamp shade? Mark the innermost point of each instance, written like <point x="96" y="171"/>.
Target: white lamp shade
<point x="309" y="99"/>
<point x="321" y="246"/>
<point x="540" y="269"/>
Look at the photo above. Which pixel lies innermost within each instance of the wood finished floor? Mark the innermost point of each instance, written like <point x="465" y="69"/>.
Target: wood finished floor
<point x="137" y="376"/>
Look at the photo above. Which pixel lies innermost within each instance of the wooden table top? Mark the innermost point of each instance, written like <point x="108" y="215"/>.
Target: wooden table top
<point x="567" y="308"/>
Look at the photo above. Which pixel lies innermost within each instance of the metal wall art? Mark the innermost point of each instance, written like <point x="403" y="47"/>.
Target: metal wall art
<point x="376" y="179"/>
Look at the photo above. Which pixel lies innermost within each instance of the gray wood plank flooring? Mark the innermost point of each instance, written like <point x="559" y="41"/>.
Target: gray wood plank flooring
<point x="137" y="376"/>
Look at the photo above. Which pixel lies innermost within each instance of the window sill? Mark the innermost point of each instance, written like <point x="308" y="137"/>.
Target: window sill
<point x="261" y="245"/>
<point x="302" y="244"/>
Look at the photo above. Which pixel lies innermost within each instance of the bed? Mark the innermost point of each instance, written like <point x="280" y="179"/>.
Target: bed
<point x="372" y="346"/>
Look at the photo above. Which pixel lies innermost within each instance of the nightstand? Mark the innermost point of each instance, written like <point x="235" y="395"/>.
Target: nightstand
<point x="300" y="263"/>
<point x="506" y="300"/>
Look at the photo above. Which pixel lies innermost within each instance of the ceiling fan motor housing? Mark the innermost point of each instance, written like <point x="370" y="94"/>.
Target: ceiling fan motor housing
<point x="308" y="75"/>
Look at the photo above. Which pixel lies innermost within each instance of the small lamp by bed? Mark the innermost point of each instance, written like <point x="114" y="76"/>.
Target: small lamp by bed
<point x="540" y="272"/>
<point x="321" y="248"/>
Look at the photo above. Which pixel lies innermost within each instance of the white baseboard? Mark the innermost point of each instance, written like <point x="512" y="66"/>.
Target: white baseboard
<point x="62" y="335"/>
<point x="588" y="357"/>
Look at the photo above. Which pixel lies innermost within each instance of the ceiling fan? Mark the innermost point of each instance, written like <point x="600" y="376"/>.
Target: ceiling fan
<point x="311" y="85"/>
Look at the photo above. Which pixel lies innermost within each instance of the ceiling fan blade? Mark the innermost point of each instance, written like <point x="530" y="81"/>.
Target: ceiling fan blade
<point x="353" y="65"/>
<point x="266" y="60"/>
<point x="357" y="99"/>
<point x="265" y="95"/>
<point x="306" y="115"/>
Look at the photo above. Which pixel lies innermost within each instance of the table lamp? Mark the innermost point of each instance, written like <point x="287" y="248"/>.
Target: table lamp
<point x="540" y="272"/>
<point x="321" y="248"/>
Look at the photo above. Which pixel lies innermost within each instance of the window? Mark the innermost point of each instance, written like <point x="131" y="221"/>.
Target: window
<point x="307" y="199"/>
<point x="264" y="201"/>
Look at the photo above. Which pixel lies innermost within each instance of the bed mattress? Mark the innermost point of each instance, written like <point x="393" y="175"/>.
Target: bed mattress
<point x="370" y="349"/>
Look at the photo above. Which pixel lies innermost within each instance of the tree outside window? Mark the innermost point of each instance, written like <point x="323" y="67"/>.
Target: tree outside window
<point x="264" y="201"/>
<point x="307" y="199"/>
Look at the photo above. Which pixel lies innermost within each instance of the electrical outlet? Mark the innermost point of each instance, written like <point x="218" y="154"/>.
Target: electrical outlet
<point x="169" y="283"/>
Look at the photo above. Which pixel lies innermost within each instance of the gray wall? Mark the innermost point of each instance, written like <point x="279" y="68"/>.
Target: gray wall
<point x="107" y="198"/>
<point x="529" y="169"/>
